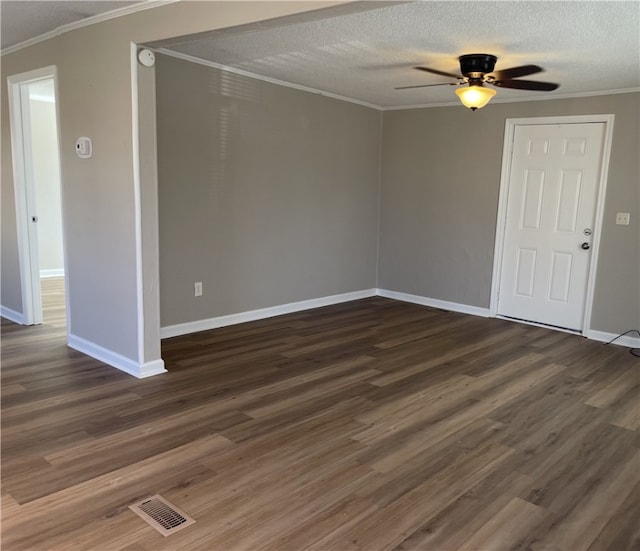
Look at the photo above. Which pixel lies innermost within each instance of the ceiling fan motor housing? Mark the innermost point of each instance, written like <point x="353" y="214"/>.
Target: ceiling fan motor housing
<point x="476" y="65"/>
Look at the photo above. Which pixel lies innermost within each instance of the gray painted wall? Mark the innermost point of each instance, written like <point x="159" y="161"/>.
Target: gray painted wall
<point x="98" y="194"/>
<point x="268" y="195"/>
<point x="439" y="201"/>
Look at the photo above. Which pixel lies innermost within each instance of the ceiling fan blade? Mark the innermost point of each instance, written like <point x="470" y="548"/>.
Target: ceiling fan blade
<point x="526" y="85"/>
<point x="426" y="85"/>
<point x="436" y="72"/>
<point x="515" y="72"/>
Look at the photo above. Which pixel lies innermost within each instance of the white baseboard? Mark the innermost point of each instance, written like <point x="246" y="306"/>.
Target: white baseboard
<point x="602" y="336"/>
<point x="57" y="272"/>
<point x="149" y="369"/>
<point x="12" y="315"/>
<point x="263" y="313"/>
<point x="435" y="303"/>
<point x="253" y="315"/>
<point x="116" y="360"/>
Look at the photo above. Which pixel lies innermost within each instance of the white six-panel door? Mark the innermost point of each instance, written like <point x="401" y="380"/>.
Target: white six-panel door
<point x="550" y="214"/>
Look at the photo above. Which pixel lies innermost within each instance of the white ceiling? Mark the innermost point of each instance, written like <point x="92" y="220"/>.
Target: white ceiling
<point x="362" y="50"/>
<point x="23" y="20"/>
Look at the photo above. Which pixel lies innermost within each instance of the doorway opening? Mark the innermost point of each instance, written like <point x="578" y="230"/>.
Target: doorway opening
<point x="37" y="181"/>
<point x="550" y="210"/>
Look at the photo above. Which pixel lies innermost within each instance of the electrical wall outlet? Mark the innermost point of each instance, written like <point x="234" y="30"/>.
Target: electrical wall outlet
<point x="197" y="289"/>
<point x="622" y="218"/>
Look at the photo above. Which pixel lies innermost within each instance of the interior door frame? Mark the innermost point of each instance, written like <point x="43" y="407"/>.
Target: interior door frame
<point x="24" y="191"/>
<point x="507" y="152"/>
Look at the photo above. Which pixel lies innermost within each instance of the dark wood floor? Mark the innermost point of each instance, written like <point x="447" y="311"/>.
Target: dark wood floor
<point x="370" y="425"/>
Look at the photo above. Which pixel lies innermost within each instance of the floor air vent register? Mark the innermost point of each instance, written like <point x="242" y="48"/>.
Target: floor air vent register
<point x="162" y="515"/>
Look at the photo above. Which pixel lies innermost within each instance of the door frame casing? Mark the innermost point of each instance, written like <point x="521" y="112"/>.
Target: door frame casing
<point x="507" y="153"/>
<point x="24" y="192"/>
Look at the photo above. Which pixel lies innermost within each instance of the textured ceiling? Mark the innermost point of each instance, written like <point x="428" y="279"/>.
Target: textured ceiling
<point x="22" y="20"/>
<point x="587" y="47"/>
<point x="362" y="50"/>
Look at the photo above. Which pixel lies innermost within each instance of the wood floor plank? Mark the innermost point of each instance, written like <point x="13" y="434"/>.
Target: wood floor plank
<point x="393" y="522"/>
<point x="505" y="530"/>
<point x="622" y="531"/>
<point x="428" y="464"/>
<point x="105" y="494"/>
<point x="626" y="384"/>
<point x="54" y="310"/>
<point x="372" y="425"/>
<point x="345" y="514"/>
<point x="467" y="514"/>
<point x="591" y="513"/>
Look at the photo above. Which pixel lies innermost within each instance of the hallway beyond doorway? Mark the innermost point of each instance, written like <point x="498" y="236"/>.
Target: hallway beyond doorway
<point x="54" y="310"/>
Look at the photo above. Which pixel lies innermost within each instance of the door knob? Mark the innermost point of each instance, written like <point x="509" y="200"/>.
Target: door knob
<point x="585" y="246"/>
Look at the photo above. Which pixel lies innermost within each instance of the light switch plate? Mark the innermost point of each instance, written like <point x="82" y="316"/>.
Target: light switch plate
<point x="622" y="218"/>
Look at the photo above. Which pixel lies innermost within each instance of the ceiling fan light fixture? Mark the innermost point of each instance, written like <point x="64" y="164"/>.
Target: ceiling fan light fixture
<point x="474" y="97"/>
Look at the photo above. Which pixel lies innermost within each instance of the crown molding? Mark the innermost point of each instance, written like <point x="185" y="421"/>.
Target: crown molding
<point x="120" y="12"/>
<point x="240" y="72"/>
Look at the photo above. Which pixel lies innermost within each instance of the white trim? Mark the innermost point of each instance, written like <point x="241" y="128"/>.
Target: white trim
<point x="435" y="303"/>
<point x="87" y="21"/>
<point x="545" y="97"/>
<point x="19" y="179"/>
<point x="139" y="370"/>
<point x="55" y="272"/>
<point x="603" y="336"/>
<point x="262" y="313"/>
<point x="507" y="150"/>
<point x="24" y="192"/>
<point x="501" y="218"/>
<point x="65" y="255"/>
<point x="137" y="201"/>
<point x="34" y="314"/>
<point x="226" y="68"/>
<point x="12" y="315"/>
<point x="149" y="369"/>
<point x="598" y="220"/>
<point x="379" y="209"/>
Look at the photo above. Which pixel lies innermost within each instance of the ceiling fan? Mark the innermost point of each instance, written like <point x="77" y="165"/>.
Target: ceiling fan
<point x="477" y="70"/>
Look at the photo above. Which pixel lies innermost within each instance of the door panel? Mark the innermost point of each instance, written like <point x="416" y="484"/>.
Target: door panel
<point x="532" y="204"/>
<point x="525" y="272"/>
<point x="560" y="277"/>
<point x="553" y="185"/>
<point x="569" y="201"/>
